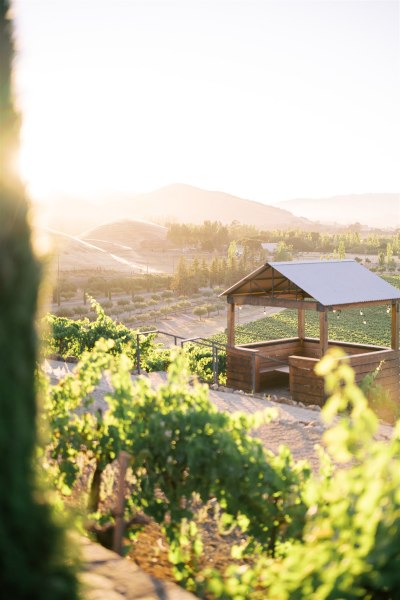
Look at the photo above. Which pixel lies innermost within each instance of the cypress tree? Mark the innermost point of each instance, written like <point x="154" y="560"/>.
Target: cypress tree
<point x="33" y="564"/>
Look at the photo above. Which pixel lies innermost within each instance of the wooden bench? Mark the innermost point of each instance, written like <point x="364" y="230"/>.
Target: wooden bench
<point x="279" y="369"/>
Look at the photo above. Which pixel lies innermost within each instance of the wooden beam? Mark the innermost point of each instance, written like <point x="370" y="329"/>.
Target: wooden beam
<point x="323" y="332"/>
<point x="395" y="325"/>
<point x="231" y="324"/>
<point x="262" y="300"/>
<point x="360" y="304"/>
<point x="301" y="323"/>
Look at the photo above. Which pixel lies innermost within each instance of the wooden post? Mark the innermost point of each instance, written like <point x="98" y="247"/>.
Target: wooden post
<point x="291" y="379"/>
<point x="301" y="324"/>
<point x="138" y="353"/>
<point x="231" y="324"/>
<point x="119" y="506"/>
<point x="395" y="325"/>
<point x="323" y="332"/>
<point x="255" y="378"/>
<point x="215" y="363"/>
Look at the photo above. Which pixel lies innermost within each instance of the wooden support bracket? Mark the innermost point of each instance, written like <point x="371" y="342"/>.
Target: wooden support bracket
<point x="395" y="325"/>
<point x="323" y="332"/>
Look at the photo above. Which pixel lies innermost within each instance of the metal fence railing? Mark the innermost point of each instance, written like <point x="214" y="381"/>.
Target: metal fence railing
<point x="157" y="332"/>
<point x="215" y="347"/>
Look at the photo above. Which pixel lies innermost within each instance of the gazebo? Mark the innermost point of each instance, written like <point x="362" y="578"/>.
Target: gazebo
<point x="321" y="286"/>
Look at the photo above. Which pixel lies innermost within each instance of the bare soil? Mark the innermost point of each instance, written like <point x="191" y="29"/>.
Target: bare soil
<point x="187" y="325"/>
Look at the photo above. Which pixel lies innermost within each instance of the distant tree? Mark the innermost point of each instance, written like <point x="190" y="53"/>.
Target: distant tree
<point x="167" y="295"/>
<point x="165" y="310"/>
<point x="232" y="250"/>
<point x="209" y="308"/>
<point x="195" y="269"/>
<point x="200" y="311"/>
<point x="217" y="307"/>
<point x="214" y="271"/>
<point x="389" y="256"/>
<point x="283" y="252"/>
<point x="204" y="273"/>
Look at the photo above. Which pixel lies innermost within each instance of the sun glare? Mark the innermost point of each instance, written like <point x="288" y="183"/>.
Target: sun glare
<point x="68" y="168"/>
<point x="156" y="105"/>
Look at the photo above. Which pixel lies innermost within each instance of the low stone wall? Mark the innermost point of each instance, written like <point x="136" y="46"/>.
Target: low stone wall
<point x="107" y="576"/>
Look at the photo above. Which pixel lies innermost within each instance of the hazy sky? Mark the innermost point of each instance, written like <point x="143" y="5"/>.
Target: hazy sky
<point x="268" y="100"/>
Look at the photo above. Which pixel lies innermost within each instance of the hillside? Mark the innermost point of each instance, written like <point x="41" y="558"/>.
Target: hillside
<point x="69" y="214"/>
<point x="123" y="245"/>
<point x="374" y="210"/>
<point x="174" y="203"/>
<point x="186" y="204"/>
<point x="127" y="234"/>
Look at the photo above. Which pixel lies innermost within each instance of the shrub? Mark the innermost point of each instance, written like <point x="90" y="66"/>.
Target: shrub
<point x="131" y="319"/>
<point x="200" y="311"/>
<point x="139" y="304"/>
<point x="80" y="310"/>
<point x="201" y="363"/>
<point x="64" y="312"/>
<point x="72" y="338"/>
<point x="181" y="445"/>
<point x="209" y="308"/>
<point x="378" y="398"/>
<point x="123" y="302"/>
<point x="167" y="294"/>
<point x="67" y="295"/>
<point x="352" y="527"/>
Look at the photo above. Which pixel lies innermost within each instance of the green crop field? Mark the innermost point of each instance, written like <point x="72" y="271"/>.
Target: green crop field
<point x="372" y="327"/>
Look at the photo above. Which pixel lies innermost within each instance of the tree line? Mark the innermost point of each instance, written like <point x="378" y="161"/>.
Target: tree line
<point x="214" y="236"/>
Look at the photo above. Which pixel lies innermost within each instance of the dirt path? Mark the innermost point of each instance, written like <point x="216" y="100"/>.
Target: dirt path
<point x="296" y="427"/>
<point x="189" y="326"/>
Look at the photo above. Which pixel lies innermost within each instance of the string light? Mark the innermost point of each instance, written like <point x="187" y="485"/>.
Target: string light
<point x="388" y="309"/>
<point x="361" y="313"/>
<point x="364" y="321"/>
<point x="265" y="311"/>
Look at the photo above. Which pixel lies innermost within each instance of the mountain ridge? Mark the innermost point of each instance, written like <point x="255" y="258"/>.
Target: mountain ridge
<point x="183" y="203"/>
<point x="180" y="203"/>
<point x="381" y="210"/>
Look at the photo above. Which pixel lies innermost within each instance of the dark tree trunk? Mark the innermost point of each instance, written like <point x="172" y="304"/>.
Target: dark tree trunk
<point x="94" y="494"/>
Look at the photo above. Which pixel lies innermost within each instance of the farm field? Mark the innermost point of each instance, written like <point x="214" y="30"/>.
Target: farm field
<point x="373" y="327"/>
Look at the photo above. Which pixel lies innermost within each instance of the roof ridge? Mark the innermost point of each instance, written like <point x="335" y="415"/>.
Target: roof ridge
<point x="317" y="262"/>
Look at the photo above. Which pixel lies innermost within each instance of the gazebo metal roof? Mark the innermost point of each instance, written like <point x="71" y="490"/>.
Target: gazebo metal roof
<point x="330" y="283"/>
